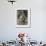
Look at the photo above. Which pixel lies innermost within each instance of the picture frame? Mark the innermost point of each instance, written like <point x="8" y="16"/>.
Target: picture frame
<point x="23" y="17"/>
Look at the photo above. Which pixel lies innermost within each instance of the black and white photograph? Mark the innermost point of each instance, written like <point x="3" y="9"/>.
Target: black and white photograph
<point x="22" y="17"/>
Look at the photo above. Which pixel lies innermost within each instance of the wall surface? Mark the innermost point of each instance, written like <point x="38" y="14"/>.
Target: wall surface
<point x="8" y="30"/>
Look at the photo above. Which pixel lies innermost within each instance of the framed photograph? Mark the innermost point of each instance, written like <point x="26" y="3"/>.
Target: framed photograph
<point x="23" y="16"/>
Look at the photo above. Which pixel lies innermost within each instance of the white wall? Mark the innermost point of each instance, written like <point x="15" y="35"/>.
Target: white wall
<point x="8" y="29"/>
